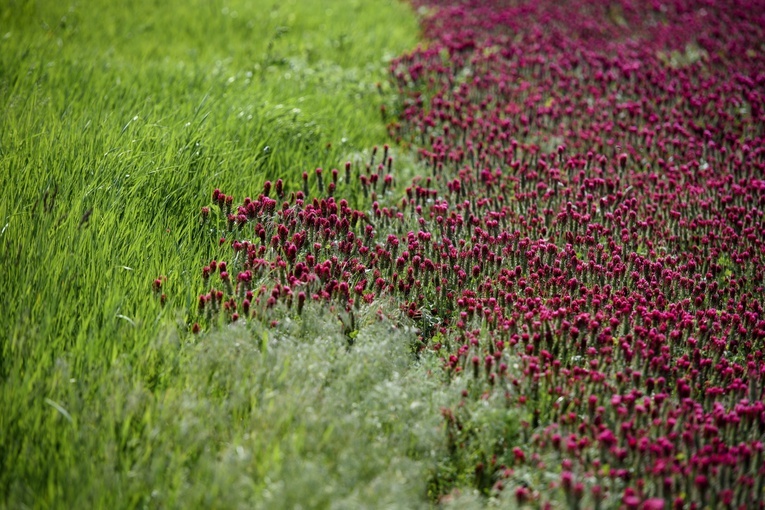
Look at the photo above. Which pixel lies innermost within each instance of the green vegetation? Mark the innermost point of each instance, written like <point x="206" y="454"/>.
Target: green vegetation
<point x="118" y="120"/>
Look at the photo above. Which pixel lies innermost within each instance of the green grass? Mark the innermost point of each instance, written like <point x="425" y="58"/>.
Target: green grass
<point x="118" y="120"/>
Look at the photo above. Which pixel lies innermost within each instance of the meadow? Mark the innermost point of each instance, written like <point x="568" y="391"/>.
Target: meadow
<point x="447" y="254"/>
<point x="118" y="121"/>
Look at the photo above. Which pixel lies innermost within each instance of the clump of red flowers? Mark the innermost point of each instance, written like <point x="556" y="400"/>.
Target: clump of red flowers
<point x="586" y="240"/>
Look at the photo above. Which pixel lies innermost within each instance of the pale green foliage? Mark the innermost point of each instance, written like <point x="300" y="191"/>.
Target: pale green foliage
<point x="259" y="418"/>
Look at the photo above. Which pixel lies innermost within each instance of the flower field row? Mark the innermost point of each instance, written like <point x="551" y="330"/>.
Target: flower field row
<point x="586" y="242"/>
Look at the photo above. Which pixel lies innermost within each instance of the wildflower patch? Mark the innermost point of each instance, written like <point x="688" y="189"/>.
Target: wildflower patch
<point x="583" y="248"/>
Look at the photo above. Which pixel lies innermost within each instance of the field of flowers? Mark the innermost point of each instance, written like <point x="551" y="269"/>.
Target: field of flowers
<point x="546" y="290"/>
<point x="583" y="247"/>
